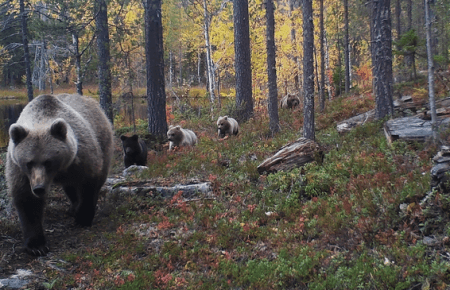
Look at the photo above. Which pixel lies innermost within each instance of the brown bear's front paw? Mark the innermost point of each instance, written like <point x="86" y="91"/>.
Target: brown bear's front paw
<point x="36" y="246"/>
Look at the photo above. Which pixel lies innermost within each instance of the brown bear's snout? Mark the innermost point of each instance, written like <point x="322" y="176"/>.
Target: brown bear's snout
<point x="37" y="181"/>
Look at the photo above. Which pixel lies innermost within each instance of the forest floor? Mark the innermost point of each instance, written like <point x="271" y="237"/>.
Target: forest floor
<point x="355" y="221"/>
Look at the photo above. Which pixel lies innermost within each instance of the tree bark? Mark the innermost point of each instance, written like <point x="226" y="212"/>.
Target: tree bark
<point x="26" y="52"/>
<point x="294" y="45"/>
<point x="382" y="55"/>
<point x="79" y="82"/>
<point x="209" y="62"/>
<point x="322" y="58"/>
<point x="156" y="96"/>
<point x="308" y="71"/>
<point x="244" y="99"/>
<point x="104" y="58"/>
<point x="346" y="49"/>
<point x="272" y="68"/>
<point x="430" y="71"/>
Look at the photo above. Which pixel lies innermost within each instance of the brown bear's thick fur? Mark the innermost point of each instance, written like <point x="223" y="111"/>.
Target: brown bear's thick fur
<point x="134" y="151"/>
<point x="227" y="126"/>
<point x="289" y="101"/>
<point x="180" y="137"/>
<point x="63" y="139"/>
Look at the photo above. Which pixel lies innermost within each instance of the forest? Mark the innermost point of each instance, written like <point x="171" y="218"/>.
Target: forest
<point x="367" y="213"/>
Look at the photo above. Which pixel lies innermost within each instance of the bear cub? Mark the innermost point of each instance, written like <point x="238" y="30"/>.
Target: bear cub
<point x="134" y="151"/>
<point x="227" y="126"/>
<point x="62" y="139"/>
<point x="289" y="101"/>
<point x="180" y="137"/>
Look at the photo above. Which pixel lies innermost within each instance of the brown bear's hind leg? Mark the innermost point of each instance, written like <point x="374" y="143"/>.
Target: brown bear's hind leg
<point x="88" y="197"/>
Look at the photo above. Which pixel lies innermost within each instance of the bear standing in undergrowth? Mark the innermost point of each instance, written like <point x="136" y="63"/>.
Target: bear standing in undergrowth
<point x="289" y="101"/>
<point x="135" y="151"/>
<point x="227" y="126"/>
<point x="62" y="139"/>
<point x="180" y="137"/>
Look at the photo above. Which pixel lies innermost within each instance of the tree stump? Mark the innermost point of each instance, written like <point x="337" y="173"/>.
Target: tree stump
<point x="292" y="155"/>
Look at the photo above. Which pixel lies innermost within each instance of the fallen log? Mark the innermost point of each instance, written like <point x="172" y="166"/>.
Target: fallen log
<point x="347" y="125"/>
<point x="292" y="155"/>
<point x="411" y="128"/>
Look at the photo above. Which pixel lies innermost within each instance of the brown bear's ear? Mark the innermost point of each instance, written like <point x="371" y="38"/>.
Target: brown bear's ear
<point x="135" y="137"/>
<point x="178" y="127"/>
<point x="225" y="118"/>
<point x="17" y="133"/>
<point x="123" y="137"/>
<point x="59" y="129"/>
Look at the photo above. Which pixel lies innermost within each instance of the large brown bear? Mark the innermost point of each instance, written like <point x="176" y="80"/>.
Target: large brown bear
<point x="63" y="139"/>
<point x="135" y="151"/>
<point x="180" y="137"/>
<point x="289" y="101"/>
<point x="227" y="126"/>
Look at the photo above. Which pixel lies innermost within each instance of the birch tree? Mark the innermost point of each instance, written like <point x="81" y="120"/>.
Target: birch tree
<point x="430" y="70"/>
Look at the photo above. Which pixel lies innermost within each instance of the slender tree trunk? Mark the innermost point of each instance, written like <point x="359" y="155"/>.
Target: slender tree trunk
<point x="181" y="66"/>
<point x="156" y="96"/>
<point x="294" y="45"/>
<point x="26" y="52"/>
<point x="346" y="49"/>
<point x="308" y="71"/>
<point x="104" y="72"/>
<point x="272" y="68"/>
<point x="382" y="67"/>
<point x="199" y="62"/>
<point x="409" y="59"/>
<point x="79" y="82"/>
<point x="322" y="57"/>
<point x="244" y="99"/>
<point x="209" y="62"/>
<point x="170" y="69"/>
<point x="430" y="70"/>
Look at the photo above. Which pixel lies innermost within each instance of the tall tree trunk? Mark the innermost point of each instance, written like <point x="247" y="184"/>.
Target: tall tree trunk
<point x="26" y="52"/>
<point x="244" y="99"/>
<point x="209" y="62"/>
<point x="79" y="82"/>
<point x="322" y="57"/>
<point x="308" y="71"/>
<point x="346" y="49"/>
<point x="409" y="59"/>
<point x="272" y="68"/>
<point x="156" y="96"/>
<point x="294" y="45"/>
<point x="430" y="70"/>
<point x="104" y="72"/>
<point x="170" y="69"/>
<point x="382" y="50"/>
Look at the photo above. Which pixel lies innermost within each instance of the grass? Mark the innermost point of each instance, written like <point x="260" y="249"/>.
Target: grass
<point x="335" y="225"/>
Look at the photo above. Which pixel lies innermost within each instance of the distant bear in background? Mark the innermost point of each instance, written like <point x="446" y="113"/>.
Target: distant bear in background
<point x="227" y="126"/>
<point x="63" y="139"/>
<point x="289" y="101"/>
<point x="180" y="137"/>
<point x="135" y="151"/>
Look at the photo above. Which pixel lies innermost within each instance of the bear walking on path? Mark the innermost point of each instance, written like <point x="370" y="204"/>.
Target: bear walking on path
<point x="180" y="137"/>
<point x="134" y="150"/>
<point x="62" y="139"/>
<point x="227" y="126"/>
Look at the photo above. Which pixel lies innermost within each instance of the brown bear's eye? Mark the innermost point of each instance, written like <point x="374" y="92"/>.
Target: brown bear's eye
<point x="30" y="165"/>
<point x="48" y="164"/>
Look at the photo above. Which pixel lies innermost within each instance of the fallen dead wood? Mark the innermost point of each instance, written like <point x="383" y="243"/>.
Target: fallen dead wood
<point x="120" y="186"/>
<point x="411" y="128"/>
<point x="347" y="125"/>
<point x="292" y="155"/>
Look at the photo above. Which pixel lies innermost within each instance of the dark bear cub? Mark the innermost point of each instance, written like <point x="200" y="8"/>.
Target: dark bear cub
<point x="135" y="151"/>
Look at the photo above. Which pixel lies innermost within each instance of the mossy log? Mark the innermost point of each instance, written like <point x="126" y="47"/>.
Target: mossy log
<point x="292" y="155"/>
<point x="355" y="121"/>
